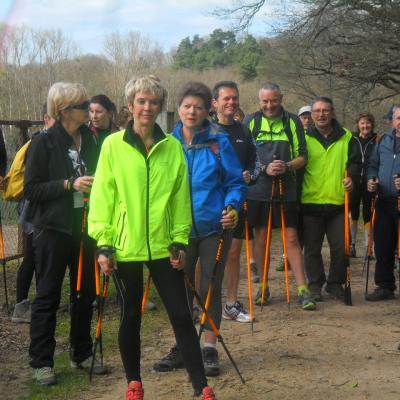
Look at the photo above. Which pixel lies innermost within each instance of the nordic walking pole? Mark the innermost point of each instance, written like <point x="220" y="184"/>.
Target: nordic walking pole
<point x="98" y="299"/>
<point x="347" y="287"/>
<point x="146" y="294"/>
<point x="249" y="286"/>
<point x="98" y="327"/>
<point x="212" y="325"/>
<point x="267" y="247"/>
<point x="283" y="233"/>
<point x="3" y="261"/>
<point x="369" y="247"/>
<point x="218" y="258"/>
<point x="81" y="250"/>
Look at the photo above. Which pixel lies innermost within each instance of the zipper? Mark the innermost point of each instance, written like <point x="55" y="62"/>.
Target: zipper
<point x="191" y="192"/>
<point x="148" y="206"/>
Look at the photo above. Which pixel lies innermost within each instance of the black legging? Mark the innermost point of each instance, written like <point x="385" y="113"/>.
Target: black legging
<point x="171" y="288"/>
<point x="358" y="194"/>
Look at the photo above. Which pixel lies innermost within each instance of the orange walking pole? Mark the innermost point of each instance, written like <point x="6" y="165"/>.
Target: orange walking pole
<point x="98" y="339"/>
<point x="213" y="326"/>
<point x="267" y="247"/>
<point x="347" y="287"/>
<point x="218" y="258"/>
<point x="146" y="293"/>
<point x="249" y="286"/>
<point x="81" y="250"/>
<point x="283" y="233"/>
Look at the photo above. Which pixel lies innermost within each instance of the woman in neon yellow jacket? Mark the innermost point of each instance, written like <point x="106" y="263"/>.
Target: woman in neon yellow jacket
<point x="140" y="214"/>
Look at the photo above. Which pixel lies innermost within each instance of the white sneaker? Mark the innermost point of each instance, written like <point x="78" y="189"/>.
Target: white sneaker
<point x="236" y="312"/>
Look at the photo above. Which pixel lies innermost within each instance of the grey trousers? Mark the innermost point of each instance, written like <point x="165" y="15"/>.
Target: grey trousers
<point x="315" y="228"/>
<point x="205" y="248"/>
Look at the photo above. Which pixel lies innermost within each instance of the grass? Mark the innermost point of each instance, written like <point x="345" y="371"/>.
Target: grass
<point x="74" y="384"/>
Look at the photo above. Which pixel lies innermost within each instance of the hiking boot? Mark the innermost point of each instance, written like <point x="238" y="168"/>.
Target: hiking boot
<point x="170" y="362"/>
<point x="44" y="376"/>
<point x="22" y="312"/>
<point x="353" y="253"/>
<point x="335" y="290"/>
<point x="207" y="394"/>
<point x="281" y="266"/>
<point x="236" y="312"/>
<point x="380" y="293"/>
<point x="86" y="364"/>
<point x="196" y="313"/>
<point x="255" y="278"/>
<point x="210" y="361"/>
<point x="134" y="391"/>
<point x="257" y="299"/>
<point x="306" y="300"/>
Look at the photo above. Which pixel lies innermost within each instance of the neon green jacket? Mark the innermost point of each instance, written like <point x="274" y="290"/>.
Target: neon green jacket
<point x="327" y="162"/>
<point x="139" y="202"/>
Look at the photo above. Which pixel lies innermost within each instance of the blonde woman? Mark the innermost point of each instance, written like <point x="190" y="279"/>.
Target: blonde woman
<point x="57" y="178"/>
<point x="140" y="214"/>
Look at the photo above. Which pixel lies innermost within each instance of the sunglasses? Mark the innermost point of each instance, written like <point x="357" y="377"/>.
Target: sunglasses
<point x="82" y="106"/>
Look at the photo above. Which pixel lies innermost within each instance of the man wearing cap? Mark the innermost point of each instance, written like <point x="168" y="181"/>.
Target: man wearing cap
<point x="305" y="116"/>
<point x="281" y="149"/>
<point x="332" y="150"/>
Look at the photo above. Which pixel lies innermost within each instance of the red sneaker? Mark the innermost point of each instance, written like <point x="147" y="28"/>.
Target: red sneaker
<point x="208" y="394"/>
<point x="135" y="391"/>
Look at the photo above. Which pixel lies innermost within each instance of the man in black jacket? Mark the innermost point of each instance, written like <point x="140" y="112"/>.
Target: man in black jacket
<point x="226" y="104"/>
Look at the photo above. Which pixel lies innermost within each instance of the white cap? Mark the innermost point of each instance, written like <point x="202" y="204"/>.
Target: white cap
<point x="304" y="109"/>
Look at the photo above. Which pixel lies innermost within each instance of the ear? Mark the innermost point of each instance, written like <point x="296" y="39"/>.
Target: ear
<point x="130" y="107"/>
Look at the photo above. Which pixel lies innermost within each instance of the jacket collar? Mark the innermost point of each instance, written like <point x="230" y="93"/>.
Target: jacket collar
<point x="59" y="132"/>
<point x="207" y="131"/>
<point x="135" y="140"/>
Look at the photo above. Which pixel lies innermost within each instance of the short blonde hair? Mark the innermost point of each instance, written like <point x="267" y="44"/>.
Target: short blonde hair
<point x="147" y="84"/>
<point x="62" y="95"/>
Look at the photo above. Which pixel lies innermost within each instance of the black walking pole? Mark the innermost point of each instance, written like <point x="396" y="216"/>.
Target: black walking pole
<point x="3" y="261"/>
<point x="370" y="240"/>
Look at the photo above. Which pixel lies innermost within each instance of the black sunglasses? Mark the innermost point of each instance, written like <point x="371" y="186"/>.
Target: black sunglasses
<point x="82" y="106"/>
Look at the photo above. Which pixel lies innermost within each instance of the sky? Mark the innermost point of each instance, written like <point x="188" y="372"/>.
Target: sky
<point x="87" y="21"/>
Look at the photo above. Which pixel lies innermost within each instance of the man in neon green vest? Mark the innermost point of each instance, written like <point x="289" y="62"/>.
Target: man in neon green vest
<point x="331" y="151"/>
<point x="281" y="148"/>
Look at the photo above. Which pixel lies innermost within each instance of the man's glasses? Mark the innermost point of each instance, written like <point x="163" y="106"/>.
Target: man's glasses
<point x="81" y="106"/>
<point x="323" y="111"/>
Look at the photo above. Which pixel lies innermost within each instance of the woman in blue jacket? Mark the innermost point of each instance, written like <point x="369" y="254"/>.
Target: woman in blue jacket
<point x="217" y="193"/>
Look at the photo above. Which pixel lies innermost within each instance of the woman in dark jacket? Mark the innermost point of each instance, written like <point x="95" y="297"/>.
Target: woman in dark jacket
<point x="57" y="181"/>
<point x="102" y="113"/>
<point x="365" y="137"/>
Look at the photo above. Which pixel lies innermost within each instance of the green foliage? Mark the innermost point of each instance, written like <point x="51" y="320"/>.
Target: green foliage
<point x="220" y="49"/>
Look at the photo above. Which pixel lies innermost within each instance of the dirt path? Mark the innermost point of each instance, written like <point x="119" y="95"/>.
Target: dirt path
<point x="337" y="352"/>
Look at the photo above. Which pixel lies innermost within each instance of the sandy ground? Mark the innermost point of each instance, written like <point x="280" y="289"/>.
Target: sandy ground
<point x="336" y="352"/>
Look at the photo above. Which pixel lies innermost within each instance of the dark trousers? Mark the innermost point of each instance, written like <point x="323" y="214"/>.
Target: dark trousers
<point x="171" y="288"/>
<point x="385" y="238"/>
<point x="26" y="269"/>
<point x="314" y="230"/>
<point x="360" y="194"/>
<point x="53" y="252"/>
<point x="205" y="248"/>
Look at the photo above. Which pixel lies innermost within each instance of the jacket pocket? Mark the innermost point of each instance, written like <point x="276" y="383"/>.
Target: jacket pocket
<point x="119" y="242"/>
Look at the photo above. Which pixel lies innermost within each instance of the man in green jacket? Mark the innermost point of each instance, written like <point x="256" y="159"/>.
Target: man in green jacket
<point x="331" y="151"/>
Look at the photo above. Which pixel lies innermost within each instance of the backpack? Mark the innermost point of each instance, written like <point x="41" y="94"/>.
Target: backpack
<point x="14" y="180"/>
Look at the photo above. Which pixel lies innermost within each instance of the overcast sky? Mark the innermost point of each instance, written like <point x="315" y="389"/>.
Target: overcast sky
<point x="87" y="21"/>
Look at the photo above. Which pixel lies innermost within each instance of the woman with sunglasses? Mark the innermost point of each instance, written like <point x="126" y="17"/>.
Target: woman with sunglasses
<point x="57" y="182"/>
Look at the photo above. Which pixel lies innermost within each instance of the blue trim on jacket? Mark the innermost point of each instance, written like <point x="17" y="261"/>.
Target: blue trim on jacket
<point x="215" y="177"/>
